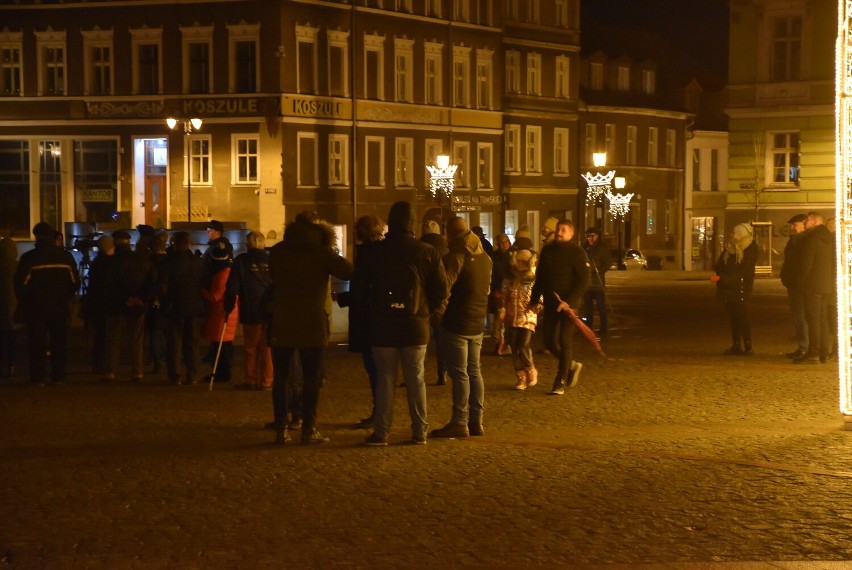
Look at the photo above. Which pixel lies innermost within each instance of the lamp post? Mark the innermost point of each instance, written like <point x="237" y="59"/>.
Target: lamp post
<point x="597" y="183"/>
<point x="442" y="181"/>
<point x="619" y="206"/>
<point x="188" y="126"/>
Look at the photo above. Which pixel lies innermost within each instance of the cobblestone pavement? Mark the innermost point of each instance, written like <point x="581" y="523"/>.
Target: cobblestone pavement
<point x="666" y="455"/>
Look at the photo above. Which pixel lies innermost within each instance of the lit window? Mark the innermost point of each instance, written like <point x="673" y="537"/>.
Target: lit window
<point x="623" y="78"/>
<point x="785" y="158"/>
<point x="246" y="159"/>
<point x="696" y="170"/>
<point x="199" y="159"/>
<point x="649" y="81"/>
<point x="596" y="72"/>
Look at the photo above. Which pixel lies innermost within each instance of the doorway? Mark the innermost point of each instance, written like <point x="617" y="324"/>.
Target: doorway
<point x="50" y="182"/>
<point x="150" y="181"/>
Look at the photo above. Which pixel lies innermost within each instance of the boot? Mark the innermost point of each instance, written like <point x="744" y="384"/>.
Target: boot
<point x="522" y="380"/>
<point x="558" y="387"/>
<point x="532" y="376"/>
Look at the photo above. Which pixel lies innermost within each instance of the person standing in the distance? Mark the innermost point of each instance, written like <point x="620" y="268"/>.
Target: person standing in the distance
<point x="734" y="282"/>
<point x="433" y="236"/>
<point x="790" y="275"/>
<point x="817" y="279"/>
<point x="220" y="325"/>
<point x="562" y="275"/>
<point x="519" y="319"/>
<point x="95" y="302"/>
<point x="501" y="261"/>
<point x="216" y="241"/>
<point x="468" y="270"/>
<point x="599" y="260"/>
<point x="45" y="282"/>
<point x="301" y="266"/>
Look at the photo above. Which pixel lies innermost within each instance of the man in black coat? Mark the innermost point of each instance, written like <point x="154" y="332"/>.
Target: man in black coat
<point x="599" y="262"/>
<point x="45" y="282"/>
<point x="790" y="276"/>
<point x="403" y="283"/>
<point x="817" y="279"/>
<point x="432" y="235"/>
<point x="563" y="274"/>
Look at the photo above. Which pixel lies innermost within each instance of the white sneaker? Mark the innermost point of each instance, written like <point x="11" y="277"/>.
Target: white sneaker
<point x="574" y="374"/>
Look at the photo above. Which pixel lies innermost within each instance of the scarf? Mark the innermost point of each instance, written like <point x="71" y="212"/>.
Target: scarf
<point x="741" y="239"/>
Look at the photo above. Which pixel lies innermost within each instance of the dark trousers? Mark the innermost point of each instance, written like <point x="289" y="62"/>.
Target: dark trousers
<point x="181" y="341"/>
<point x="519" y="339"/>
<point x="156" y="335"/>
<point x="740" y="325"/>
<point x="226" y="359"/>
<point x="126" y="333"/>
<point x="592" y="299"/>
<point x="800" y="321"/>
<point x="284" y="398"/>
<point x="44" y="334"/>
<point x="557" y="330"/>
<point x="99" y="344"/>
<point x="820" y="339"/>
<point x="7" y="352"/>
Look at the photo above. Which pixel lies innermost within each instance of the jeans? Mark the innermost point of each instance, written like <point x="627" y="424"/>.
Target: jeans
<point x="800" y="323"/>
<point x="594" y="298"/>
<point x="285" y="401"/>
<point x="387" y="362"/>
<point x="557" y="329"/>
<point x="461" y="354"/>
<point x="372" y="371"/>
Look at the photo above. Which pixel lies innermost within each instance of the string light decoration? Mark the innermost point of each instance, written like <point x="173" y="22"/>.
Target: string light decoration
<point x="843" y="203"/>
<point x="598" y="185"/>
<point x="619" y="204"/>
<point x="442" y="177"/>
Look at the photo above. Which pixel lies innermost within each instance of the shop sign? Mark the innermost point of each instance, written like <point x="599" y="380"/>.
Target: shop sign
<point x="220" y="106"/>
<point x="314" y="107"/>
<point x="97" y="195"/>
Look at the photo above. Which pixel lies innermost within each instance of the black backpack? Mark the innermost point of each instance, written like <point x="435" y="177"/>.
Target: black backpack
<point x="395" y="289"/>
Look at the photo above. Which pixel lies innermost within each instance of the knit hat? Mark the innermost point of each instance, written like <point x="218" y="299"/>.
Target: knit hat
<point x="523" y="259"/>
<point x="431" y="227"/>
<point x="550" y="224"/>
<point x="456" y="227"/>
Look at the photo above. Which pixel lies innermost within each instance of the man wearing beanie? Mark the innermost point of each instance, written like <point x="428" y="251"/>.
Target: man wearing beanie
<point x="462" y="322"/>
<point x="45" y="282"/>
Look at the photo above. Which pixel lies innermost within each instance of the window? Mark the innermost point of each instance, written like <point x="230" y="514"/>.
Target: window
<point x="15" y="181"/>
<point x="609" y="141"/>
<point x="513" y="71"/>
<point x="199" y="159"/>
<point x="533" y="11"/>
<point x="461" y="10"/>
<point x="714" y="170"/>
<point x="649" y="81"/>
<point x="512" y="158"/>
<point x="560" y="151"/>
<point x="461" y="75"/>
<point x="591" y="141"/>
<point x="433" y="8"/>
<point x="374" y="159"/>
<point x="671" y="147"/>
<point x="242" y="47"/>
<point x="432" y="83"/>
<point x="512" y="11"/>
<point x="786" y="48"/>
<point x="95" y="179"/>
<point x="671" y="215"/>
<point x="533" y="162"/>
<point x="561" y="20"/>
<point x="306" y="60"/>
<point x="51" y="62"/>
<point x="10" y="64"/>
<point x="534" y="74"/>
<point x="307" y="169"/>
<point x="338" y="160"/>
<point x="338" y="63"/>
<point x="146" y="45"/>
<point x="434" y="147"/>
<point x="785" y="157"/>
<point x="484" y="165"/>
<point x="461" y="152"/>
<point x="374" y="62"/>
<point x="197" y="59"/>
<point x="596" y="76"/>
<point x="486" y="12"/>
<point x="403" y="6"/>
<point x="696" y="170"/>
<point x="631" y="145"/>
<point x="246" y="158"/>
<point x="651" y="216"/>
<point x="653" y="151"/>
<point x="404" y="63"/>
<point x="404" y="162"/>
<point x="562" y="67"/>
<point x="623" y="78"/>
<point x="483" y="78"/>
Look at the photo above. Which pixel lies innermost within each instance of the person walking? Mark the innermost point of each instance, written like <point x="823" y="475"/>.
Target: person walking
<point x="562" y="276"/>
<point x="734" y="283"/>
<point x="595" y="296"/>
<point x="46" y="280"/>
<point x="520" y="319"/>
<point x="468" y="270"/>
<point x="403" y="283"/>
<point x="247" y="284"/>
<point x="181" y="305"/>
<point x="433" y="236"/>
<point x="817" y="278"/>
<point x="501" y="268"/>
<point x="8" y="327"/>
<point x="790" y="276"/>
<point x="301" y="266"/>
<point x="220" y="325"/>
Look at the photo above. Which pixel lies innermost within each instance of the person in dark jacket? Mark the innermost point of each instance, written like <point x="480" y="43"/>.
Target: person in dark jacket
<point x="599" y="262"/>
<point x="155" y="326"/>
<point x="216" y="242"/>
<point x="817" y="281"/>
<point x="180" y="282"/>
<point x="248" y="284"/>
<point x="432" y="235"/>
<point x="468" y="270"/>
<point x="131" y="289"/>
<point x="501" y="260"/>
<point x="734" y="282"/>
<point x="563" y="275"/>
<point x="790" y="273"/>
<point x="301" y="267"/>
<point x="45" y="282"/>
<point x="95" y="303"/>
<point x="368" y="231"/>
<point x="400" y="310"/>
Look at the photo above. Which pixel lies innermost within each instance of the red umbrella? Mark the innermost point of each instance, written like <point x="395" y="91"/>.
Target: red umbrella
<point x="581" y="326"/>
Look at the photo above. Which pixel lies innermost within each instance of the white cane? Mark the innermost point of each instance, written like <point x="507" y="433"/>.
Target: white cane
<point x="218" y="352"/>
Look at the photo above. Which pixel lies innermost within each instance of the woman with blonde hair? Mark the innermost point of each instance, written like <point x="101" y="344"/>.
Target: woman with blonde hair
<point x="520" y="321"/>
<point x="734" y="281"/>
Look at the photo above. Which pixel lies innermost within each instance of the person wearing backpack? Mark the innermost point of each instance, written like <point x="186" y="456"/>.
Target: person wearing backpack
<point x="403" y="283"/>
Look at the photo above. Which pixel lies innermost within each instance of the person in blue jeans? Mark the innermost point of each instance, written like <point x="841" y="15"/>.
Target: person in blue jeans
<point x="468" y="270"/>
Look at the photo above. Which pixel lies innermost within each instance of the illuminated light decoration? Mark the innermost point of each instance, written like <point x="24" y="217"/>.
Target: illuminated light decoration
<point x="843" y="204"/>
<point x="619" y="204"/>
<point x="442" y="177"/>
<point x="598" y="184"/>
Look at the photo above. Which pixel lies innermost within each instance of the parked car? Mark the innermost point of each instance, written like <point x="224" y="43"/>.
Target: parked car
<point x="632" y="260"/>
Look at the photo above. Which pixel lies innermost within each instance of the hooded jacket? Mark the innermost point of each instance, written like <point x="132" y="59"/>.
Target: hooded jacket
<point x="301" y="265"/>
<point x="469" y="277"/>
<point x="817" y="268"/>
<point x="45" y="282"/>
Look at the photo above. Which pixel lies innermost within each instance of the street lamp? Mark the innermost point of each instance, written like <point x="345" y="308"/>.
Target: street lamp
<point x="597" y="183"/>
<point x="188" y="126"/>
<point x="442" y="181"/>
<point x="619" y="207"/>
